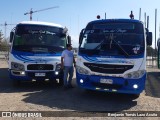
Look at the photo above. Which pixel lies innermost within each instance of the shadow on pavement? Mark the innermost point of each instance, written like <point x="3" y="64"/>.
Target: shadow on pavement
<point x="152" y="87"/>
<point x="80" y="100"/>
<point x="49" y="95"/>
<point x="7" y="86"/>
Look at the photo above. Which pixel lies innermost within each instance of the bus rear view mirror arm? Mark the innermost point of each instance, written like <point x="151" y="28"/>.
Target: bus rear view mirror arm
<point x="149" y="38"/>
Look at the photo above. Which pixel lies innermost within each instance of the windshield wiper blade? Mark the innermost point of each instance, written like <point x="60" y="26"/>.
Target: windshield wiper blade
<point x="112" y="39"/>
<point x="121" y="48"/>
<point x="101" y="42"/>
<point x="99" y="45"/>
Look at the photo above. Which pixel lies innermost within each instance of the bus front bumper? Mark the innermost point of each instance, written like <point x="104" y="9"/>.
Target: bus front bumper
<point x="111" y="84"/>
<point x="36" y="75"/>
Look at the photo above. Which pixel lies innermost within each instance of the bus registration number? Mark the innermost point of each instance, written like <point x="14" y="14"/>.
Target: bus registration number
<point x="106" y="81"/>
<point x="40" y="74"/>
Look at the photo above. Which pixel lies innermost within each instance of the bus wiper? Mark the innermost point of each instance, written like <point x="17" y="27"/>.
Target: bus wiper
<point x="121" y="48"/>
<point x="110" y="37"/>
<point x="99" y="45"/>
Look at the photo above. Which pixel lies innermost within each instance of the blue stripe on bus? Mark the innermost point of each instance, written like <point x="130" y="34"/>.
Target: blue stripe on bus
<point x="25" y="56"/>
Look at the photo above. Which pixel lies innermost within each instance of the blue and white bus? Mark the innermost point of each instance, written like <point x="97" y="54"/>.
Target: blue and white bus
<point x="112" y="56"/>
<point x="35" y="52"/>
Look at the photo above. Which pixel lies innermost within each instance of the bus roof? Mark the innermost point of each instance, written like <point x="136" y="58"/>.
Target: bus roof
<point x="115" y="20"/>
<point x="41" y="23"/>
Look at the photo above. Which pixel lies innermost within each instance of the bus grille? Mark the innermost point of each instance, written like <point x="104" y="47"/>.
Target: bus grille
<point x="40" y="67"/>
<point x="108" y="68"/>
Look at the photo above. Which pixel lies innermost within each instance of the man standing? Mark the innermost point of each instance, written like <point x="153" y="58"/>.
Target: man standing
<point x="67" y="60"/>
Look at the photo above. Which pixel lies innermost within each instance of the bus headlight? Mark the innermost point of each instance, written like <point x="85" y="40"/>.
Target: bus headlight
<point x="17" y="66"/>
<point x="58" y="67"/>
<point x="81" y="70"/>
<point x="135" y="75"/>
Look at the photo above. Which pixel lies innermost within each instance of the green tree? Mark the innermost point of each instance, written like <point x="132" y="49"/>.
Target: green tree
<point x="1" y="36"/>
<point x="3" y="43"/>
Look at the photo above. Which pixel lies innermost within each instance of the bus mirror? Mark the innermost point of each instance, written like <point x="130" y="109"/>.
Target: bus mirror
<point x="69" y="39"/>
<point x="80" y="36"/>
<point x="11" y="36"/>
<point x="65" y="30"/>
<point x="149" y="38"/>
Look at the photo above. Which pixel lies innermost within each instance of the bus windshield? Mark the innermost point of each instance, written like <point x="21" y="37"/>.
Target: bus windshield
<point x="108" y="40"/>
<point x="36" y="38"/>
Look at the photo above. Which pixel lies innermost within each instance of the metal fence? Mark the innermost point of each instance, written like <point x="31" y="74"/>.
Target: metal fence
<point x="151" y="61"/>
<point x="4" y="55"/>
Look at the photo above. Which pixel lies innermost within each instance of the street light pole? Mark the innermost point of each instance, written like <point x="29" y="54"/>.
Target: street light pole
<point x="140" y="14"/>
<point x="155" y="26"/>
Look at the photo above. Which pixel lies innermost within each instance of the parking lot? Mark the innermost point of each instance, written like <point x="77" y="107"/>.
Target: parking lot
<point x="45" y="96"/>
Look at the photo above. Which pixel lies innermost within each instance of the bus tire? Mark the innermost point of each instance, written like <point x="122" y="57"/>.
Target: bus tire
<point x="135" y="96"/>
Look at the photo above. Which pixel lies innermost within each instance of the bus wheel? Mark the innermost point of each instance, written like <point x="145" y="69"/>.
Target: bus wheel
<point x="135" y="96"/>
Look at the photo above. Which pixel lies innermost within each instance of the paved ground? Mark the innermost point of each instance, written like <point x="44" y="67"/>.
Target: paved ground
<point x="47" y="97"/>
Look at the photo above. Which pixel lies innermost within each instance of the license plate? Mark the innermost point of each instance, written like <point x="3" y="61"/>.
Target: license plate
<point x="106" y="81"/>
<point x="40" y="74"/>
